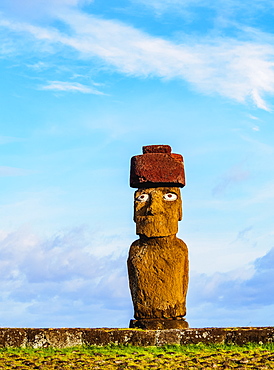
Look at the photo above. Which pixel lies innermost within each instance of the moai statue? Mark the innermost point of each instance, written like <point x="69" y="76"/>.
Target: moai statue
<point x="158" y="260"/>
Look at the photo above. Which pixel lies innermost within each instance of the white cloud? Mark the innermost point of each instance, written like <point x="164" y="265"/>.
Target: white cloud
<point x="181" y="7"/>
<point x="59" y="281"/>
<point x="38" y="9"/>
<point x="70" y="86"/>
<point x="9" y="139"/>
<point x="246" y="287"/>
<point x="238" y="70"/>
<point x="13" y="171"/>
<point x="234" y="175"/>
<point x="253" y="117"/>
<point x="241" y="297"/>
<point x="39" y="66"/>
<point x="223" y="6"/>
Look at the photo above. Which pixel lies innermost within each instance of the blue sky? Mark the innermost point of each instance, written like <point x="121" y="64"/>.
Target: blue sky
<point x="84" y="85"/>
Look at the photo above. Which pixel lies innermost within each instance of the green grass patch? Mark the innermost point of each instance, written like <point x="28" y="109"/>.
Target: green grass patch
<point x="200" y="356"/>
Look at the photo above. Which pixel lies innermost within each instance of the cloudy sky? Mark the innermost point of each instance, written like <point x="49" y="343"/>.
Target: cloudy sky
<point x="84" y="85"/>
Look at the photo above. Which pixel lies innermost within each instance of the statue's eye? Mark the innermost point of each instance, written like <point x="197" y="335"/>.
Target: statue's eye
<point x="143" y="198"/>
<point x="170" y="196"/>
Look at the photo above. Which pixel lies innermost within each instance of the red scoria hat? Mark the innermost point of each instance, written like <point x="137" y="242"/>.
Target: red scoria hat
<point x="157" y="166"/>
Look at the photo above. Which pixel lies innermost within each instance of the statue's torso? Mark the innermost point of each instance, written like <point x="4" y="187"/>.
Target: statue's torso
<point x="158" y="273"/>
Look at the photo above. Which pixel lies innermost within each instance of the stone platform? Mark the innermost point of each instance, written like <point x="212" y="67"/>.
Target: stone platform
<point x="69" y="337"/>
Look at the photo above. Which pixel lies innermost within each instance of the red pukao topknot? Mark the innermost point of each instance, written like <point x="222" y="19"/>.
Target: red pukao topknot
<point x="157" y="166"/>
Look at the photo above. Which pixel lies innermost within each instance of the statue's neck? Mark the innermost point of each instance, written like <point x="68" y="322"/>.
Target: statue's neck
<point x="158" y="238"/>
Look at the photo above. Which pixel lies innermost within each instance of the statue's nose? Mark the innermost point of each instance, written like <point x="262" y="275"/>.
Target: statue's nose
<point x="154" y="207"/>
<point x="150" y="211"/>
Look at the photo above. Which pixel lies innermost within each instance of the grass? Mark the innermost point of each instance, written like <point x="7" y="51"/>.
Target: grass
<point x="251" y="356"/>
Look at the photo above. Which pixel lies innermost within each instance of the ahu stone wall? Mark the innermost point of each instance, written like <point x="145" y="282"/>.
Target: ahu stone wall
<point x="70" y="337"/>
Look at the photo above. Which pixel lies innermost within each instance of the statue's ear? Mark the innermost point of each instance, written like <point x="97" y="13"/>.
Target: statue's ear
<point x="134" y="210"/>
<point x="180" y="212"/>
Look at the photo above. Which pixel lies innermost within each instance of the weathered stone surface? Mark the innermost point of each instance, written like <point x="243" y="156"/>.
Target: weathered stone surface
<point x="13" y="337"/>
<point x="168" y="336"/>
<point x="40" y="338"/>
<point x="69" y="337"/>
<point x="158" y="277"/>
<point x="98" y="337"/>
<point x="159" y="324"/>
<point x="205" y="335"/>
<point x="157" y="167"/>
<point x="157" y="211"/>
<point x="144" y="337"/>
<point x="243" y="336"/>
<point x="156" y="149"/>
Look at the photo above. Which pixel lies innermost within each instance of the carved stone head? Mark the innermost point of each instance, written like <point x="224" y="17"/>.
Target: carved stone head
<point x="157" y="211"/>
<point x="158" y="174"/>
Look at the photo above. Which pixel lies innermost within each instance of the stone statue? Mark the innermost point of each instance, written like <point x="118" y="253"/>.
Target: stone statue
<point x="158" y="260"/>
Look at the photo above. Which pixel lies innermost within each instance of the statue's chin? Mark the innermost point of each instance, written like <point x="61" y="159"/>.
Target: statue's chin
<point x="155" y="226"/>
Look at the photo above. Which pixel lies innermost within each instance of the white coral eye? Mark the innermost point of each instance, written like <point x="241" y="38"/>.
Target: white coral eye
<point x="170" y="196"/>
<point x="143" y="197"/>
